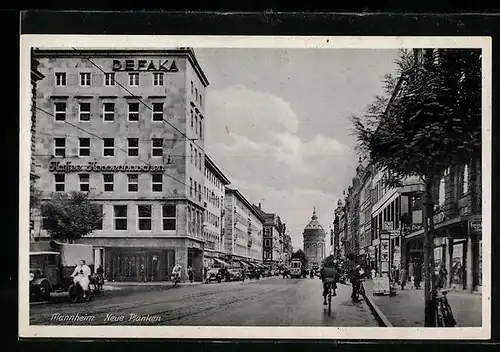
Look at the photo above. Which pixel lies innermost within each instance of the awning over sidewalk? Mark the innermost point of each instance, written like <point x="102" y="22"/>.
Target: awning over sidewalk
<point x="220" y="261"/>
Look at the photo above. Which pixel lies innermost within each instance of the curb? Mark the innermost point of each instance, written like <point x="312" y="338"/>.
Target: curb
<point x="379" y="315"/>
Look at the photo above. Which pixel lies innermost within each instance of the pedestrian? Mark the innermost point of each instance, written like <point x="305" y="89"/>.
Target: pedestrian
<point x="355" y="277"/>
<point x="373" y="273"/>
<point x="403" y="276"/>
<point x="190" y="274"/>
<point x="142" y="273"/>
<point x="442" y="276"/>
<point x="205" y="270"/>
<point x="417" y="270"/>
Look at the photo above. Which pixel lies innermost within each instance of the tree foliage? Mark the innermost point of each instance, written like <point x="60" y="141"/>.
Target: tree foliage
<point x="35" y="196"/>
<point x="71" y="216"/>
<point x="429" y="117"/>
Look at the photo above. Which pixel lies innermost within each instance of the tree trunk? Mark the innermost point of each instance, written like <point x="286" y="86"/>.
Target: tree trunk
<point x="428" y="270"/>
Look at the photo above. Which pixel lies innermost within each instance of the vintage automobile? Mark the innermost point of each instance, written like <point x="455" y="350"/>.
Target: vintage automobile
<point x="51" y="266"/>
<point x="235" y="274"/>
<point x="214" y="274"/>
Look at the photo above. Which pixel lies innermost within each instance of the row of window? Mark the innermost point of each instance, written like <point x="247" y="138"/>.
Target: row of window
<point x="212" y="219"/>
<point x="109" y="112"/>
<point x="196" y="158"/>
<point x="158" y="79"/>
<point x="121" y="215"/>
<point x="197" y="187"/>
<point x="109" y="182"/>
<point x="108" y="147"/>
<point x="212" y="198"/>
<point x="214" y="180"/>
<point x="195" y="221"/>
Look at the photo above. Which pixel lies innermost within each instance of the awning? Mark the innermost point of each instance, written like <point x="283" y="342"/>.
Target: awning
<point x="245" y="264"/>
<point x="221" y="261"/>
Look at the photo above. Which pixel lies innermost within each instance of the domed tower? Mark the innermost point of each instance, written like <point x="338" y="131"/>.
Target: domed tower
<point x="314" y="242"/>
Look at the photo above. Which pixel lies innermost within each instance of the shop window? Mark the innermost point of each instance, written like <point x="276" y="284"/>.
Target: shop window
<point x="60" y="181"/>
<point x="120" y="217"/>
<point x="133" y="112"/>
<point x="101" y="211"/>
<point x="109" y="180"/>
<point x="157" y="79"/>
<point x="442" y="190"/>
<point x="133" y="79"/>
<point x="169" y="217"/>
<point x="60" y="111"/>
<point x="157" y="182"/>
<point x="109" y="79"/>
<point x="85" y="79"/>
<point x="109" y="146"/>
<point x="60" y="147"/>
<point x="157" y="111"/>
<point x="465" y="188"/>
<point x="109" y="111"/>
<point x="84" y="180"/>
<point x="60" y="79"/>
<point x="84" y="147"/>
<point x="157" y="147"/>
<point x="133" y="182"/>
<point x="144" y="216"/>
<point x="133" y="147"/>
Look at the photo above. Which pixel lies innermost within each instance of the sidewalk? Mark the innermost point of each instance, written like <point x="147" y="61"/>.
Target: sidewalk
<point x="113" y="285"/>
<point x="406" y="308"/>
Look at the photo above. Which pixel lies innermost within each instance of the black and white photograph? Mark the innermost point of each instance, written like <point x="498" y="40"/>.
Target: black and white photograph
<point x="255" y="187"/>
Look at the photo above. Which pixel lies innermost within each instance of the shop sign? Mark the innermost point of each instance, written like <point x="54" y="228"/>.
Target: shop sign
<point x="145" y="65"/>
<point x="387" y="226"/>
<point x="92" y="166"/>
<point x="476" y="227"/>
<point x="439" y="217"/>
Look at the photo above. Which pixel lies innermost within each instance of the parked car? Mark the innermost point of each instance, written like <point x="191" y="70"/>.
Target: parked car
<point x="235" y="275"/>
<point x="214" y="274"/>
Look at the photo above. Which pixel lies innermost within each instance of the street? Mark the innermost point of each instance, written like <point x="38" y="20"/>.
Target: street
<point x="266" y="302"/>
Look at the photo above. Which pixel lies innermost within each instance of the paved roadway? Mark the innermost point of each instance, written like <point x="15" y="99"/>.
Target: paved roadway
<point x="266" y="302"/>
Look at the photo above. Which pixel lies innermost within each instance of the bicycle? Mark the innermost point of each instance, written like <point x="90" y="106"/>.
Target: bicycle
<point x="444" y="315"/>
<point x="330" y="289"/>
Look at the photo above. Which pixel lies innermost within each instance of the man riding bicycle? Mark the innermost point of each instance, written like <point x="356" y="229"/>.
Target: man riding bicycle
<point x="329" y="277"/>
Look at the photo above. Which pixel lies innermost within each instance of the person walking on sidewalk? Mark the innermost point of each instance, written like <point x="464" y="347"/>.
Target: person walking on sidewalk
<point x="403" y="276"/>
<point x="417" y="271"/>
<point x="442" y="276"/>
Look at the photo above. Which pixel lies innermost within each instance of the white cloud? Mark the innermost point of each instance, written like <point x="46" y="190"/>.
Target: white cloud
<point x="255" y="138"/>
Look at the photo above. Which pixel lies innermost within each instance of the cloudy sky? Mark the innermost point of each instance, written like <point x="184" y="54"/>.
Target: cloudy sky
<point x="277" y="124"/>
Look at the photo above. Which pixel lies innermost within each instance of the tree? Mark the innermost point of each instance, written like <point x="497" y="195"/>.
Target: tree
<point x="299" y="254"/>
<point x="71" y="216"/>
<point x="430" y="122"/>
<point x="35" y="196"/>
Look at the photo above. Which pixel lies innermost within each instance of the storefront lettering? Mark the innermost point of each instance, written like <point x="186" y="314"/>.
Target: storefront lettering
<point x="145" y="65"/>
<point x="476" y="227"/>
<point x="92" y="166"/>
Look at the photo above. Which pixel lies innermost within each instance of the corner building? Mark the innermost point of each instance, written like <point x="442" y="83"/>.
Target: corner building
<point x="115" y="125"/>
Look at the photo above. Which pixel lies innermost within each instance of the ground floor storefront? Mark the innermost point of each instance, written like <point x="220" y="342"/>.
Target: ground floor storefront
<point x="457" y="248"/>
<point x="147" y="259"/>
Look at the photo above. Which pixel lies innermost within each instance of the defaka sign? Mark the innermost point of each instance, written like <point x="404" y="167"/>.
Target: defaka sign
<point x="92" y="166"/>
<point x="161" y="65"/>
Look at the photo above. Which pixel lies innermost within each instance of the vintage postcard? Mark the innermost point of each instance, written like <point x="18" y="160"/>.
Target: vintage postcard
<point x="255" y="187"/>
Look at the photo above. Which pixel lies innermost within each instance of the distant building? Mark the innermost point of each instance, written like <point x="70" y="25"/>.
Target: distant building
<point x="314" y="242"/>
<point x="214" y="192"/>
<point x="243" y="231"/>
<point x="274" y="239"/>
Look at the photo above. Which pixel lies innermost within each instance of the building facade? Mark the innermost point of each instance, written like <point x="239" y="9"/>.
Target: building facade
<point x="243" y="233"/>
<point x="314" y="242"/>
<point x="274" y="250"/>
<point x="214" y="192"/>
<point x="127" y="126"/>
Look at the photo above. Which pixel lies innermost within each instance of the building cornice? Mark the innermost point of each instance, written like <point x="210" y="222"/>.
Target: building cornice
<point x="212" y="167"/>
<point x="71" y="53"/>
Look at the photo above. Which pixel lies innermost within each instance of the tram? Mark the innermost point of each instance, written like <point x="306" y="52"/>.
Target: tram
<point x="296" y="269"/>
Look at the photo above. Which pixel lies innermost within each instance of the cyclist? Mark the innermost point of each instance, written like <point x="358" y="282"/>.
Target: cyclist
<point x="329" y="276"/>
